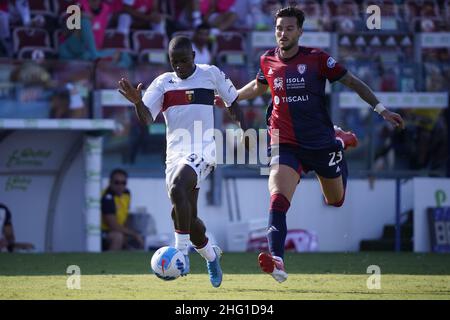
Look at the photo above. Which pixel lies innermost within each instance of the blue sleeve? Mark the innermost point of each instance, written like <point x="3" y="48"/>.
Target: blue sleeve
<point x="108" y="206"/>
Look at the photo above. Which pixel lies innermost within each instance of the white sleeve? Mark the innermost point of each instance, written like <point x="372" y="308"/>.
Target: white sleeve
<point x="224" y="86"/>
<point x="153" y="97"/>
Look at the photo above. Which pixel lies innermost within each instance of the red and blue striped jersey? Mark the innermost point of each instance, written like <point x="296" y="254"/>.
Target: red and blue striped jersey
<point x="299" y="116"/>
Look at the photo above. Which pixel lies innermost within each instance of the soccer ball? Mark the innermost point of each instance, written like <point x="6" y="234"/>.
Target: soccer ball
<point x="168" y="263"/>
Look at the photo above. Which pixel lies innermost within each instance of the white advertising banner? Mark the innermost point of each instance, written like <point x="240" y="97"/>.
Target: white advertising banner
<point x="93" y="165"/>
<point x="435" y="100"/>
<point x="266" y="39"/>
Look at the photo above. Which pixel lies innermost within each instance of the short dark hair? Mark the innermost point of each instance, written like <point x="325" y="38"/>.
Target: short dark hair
<point x="116" y="171"/>
<point x="180" y="42"/>
<point x="291" y="12"/>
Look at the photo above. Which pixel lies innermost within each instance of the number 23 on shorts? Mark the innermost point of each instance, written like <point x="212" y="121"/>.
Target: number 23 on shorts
<point x="336" y="157"/>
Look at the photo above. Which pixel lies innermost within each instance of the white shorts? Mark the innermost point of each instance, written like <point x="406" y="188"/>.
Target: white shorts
<point x="201" y="166"/>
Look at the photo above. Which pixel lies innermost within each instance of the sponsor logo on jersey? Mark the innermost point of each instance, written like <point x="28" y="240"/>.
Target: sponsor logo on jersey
<point x="295" y="83"/>
<point x="276" y="100"/>
<point x="301" y="68"/>
<point x="295" y="80"/>
<point x="278" y="83"/>
<point x="301" y="98"/>
<point x="331" y="62"/>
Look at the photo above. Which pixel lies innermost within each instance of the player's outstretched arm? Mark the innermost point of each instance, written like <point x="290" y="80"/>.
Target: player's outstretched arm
<point x="134" y="95"/>
<point x="363" y="90"/>
<point x="237" y="115"/>
<point x="252" y="90"/>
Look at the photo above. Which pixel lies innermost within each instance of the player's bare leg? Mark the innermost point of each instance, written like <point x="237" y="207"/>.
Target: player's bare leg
<point x="333" y="190"/>
<point x="179" y="192"/>
<point x="283" y="181"/>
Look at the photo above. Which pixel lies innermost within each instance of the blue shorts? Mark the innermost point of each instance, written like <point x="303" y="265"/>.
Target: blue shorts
<point x="328" y="163"/>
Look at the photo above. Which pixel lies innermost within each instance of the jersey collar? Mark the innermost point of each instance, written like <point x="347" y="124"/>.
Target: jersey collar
<point x="287" y="59"/>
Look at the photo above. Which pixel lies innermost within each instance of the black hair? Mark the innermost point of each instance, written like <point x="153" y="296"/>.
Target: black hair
<point x="116" y="171"/>
<point x="180" y="43"/>
<point x="291" y="12"/>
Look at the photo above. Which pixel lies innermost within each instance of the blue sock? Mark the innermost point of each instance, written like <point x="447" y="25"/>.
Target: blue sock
<point x="277" y="229"/>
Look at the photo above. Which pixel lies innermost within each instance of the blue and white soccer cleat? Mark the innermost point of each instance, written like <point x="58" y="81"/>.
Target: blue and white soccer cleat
<point x="214" y="270"/>
<point x="184" y="267"/>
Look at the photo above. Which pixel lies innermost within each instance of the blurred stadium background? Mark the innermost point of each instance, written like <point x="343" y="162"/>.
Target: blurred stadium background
<point x="64" y="127"/>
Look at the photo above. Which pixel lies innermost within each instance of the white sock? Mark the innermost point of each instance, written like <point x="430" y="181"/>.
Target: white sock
<point x="182" y="242"/>
<point x="207" y="252"/>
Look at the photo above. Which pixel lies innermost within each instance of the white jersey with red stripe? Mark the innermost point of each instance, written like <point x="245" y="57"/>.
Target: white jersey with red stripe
<point x="187" y="106"/>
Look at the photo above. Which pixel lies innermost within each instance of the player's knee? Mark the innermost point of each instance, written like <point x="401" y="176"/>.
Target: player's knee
<point x="335" y="202"/>
<point x="278" y="202"/>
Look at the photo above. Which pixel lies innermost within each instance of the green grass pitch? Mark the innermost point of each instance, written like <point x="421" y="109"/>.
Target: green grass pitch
<point x="126" y="275"/>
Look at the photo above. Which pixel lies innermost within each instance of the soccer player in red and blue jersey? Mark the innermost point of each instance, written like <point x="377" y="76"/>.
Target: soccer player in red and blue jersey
<point x="302" y="134"/>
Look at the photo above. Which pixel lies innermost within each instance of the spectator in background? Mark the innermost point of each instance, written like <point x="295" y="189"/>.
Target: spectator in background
<point x="68" y="103"/>
<point x="87" y="43"/>
<point x="141" y="14"/>
<point x="181" y="15"/>
<point x="19" y="12"/>
<point x="5" y="33"/>
<point x="16" y="12"/>
<point x="7" y="237"/>
<point x="115" y="206"/>
<point x="200" y="44"/>
<point x="264" y="18"/>
<point x="220" y="14"/>
<point x="245" y="13"/>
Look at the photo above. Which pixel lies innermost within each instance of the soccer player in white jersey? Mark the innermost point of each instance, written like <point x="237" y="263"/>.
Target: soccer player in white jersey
<point x="186" y="99"/>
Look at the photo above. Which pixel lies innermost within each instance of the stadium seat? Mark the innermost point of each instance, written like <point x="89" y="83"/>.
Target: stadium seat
<point x="36" y="53"/>
<point x="186" y="33"/>
<point x="146" y="73"/>
<point x="107" y="74"/>
<point x="229" y="48"/>
<point x="73" y="71"/>
<point x="57" y="38"/>
<point x="60" y="6"/>
<point x="41" y="7"/>
<point x="60" y="9"/>
<point x="330" y="8"/>
<point x="347" y="17"/>
<point x="150" y="46"/>
<point x="229" y="41"/>
<point x="30" y="37"/>
<point x="116" y="40"/>
<point x="313" y="11"/>
<point x="391" y="13"/>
